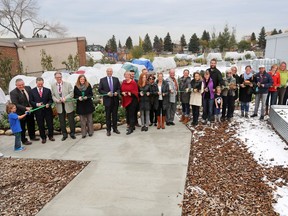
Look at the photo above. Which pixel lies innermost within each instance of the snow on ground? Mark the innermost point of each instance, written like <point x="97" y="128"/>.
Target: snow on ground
<point x="281" y="196"/>
<point x="265" y="144"/>
<point x="268" y="150"/>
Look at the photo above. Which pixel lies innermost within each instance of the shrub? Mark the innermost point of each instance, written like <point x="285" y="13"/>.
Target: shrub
<point x="99" y="114"/>
<point x="4" y="123"/>
<point x="137" y="52"/>
<point x="248" y="56"/>
<point x="150" y="56"/>
<point x="46" y="61"/>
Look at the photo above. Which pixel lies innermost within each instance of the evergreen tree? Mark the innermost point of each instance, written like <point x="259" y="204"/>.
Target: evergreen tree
<point x="223" y="39"/>
<point x="162" y="44"/>
<point x="213" y="43"/>
<point x="205" y="36"/>
<point x="261" y="39"/>
<point x="194" y="44"/>
<point x="183" y="41"/>
<point x="232" y="40"/>
<point x="119" y="45"/>
<point x="157" y="46"/>
<point x="147" y="45"/>
<point x="113" y="44"/>
<point x="129" y="44"/>
<point x="274" y="32"/>
<point x="168" y="46"/>
<point x="280" y="31"/>
<point x="253" y="37"/>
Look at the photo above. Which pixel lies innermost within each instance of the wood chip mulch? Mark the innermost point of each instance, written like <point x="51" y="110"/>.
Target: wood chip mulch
<point x="26" y="185"/>
<point x="224" y="179"/>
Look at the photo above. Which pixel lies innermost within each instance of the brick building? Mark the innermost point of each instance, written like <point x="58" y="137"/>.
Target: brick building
<point x="26" y="52"/>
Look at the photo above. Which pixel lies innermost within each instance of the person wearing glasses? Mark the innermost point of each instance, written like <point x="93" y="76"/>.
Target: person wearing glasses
<point x="62" y="94"/>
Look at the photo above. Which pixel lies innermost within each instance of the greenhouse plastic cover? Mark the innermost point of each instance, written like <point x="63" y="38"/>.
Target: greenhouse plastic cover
<point x="163" y="64"/>
<point x="3" y="99"/>
<point x="234" y="55"/>
<point x="217" y="56"/>
<point x="146" y="62"/>
<point x="185" y="56"/>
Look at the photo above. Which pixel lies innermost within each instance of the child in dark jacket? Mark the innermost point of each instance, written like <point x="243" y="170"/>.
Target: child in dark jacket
<point x="218" y="104"/>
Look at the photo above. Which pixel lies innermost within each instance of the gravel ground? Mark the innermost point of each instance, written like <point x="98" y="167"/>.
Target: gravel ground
<point x="26" y="185"/>
<point x="224" y="179"/>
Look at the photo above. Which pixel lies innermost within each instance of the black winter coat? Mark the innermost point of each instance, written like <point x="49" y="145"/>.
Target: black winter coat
<point x="144" y="103"/>
<point x="153" y="96"/>
<point x="245" y="94"/>
<point x="84" y="107"/>
<point x="184" y="83"/>
<point x="165" y="90"/>
<point x="216" y="76"/>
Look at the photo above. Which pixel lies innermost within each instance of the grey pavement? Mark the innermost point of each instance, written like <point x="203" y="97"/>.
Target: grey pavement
<point x="140" y="174"/>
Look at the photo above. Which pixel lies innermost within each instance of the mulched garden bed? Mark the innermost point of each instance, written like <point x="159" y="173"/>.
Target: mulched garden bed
<point x="224" y="179"/>
<point x="26" y="185"/>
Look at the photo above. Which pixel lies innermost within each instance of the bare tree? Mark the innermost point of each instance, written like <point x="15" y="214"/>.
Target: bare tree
<point x="15" y="13"/>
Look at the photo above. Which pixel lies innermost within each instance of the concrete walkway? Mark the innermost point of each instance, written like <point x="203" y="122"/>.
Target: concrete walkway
<point x="140" y="174"/>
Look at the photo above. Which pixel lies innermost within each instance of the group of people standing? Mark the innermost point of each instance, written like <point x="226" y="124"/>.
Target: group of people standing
<point x="217" y="94"/>
<point x="155" y="97"/>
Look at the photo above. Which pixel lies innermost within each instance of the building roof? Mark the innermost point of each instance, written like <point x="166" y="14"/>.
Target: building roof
<point x="277" y="36"/>
<point x="16" y="42"/>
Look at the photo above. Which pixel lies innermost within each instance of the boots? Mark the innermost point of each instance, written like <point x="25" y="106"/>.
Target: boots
<point x="246" y="115"/>
<point x="242" y="113"/>
<point x="266" y="111"/>
<point x="163" y="122"/>
<point x="219" y="118"/>
<point x="182" y="118"/>
<point x="158" y="122"/>
<point x="186" y="120"/>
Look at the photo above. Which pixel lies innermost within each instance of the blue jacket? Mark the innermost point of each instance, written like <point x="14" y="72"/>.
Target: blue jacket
<point x="265" y="79"/>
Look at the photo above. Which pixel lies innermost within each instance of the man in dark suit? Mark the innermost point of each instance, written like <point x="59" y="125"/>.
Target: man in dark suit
<point x="111" y="86"/>
<point x="40" y="96"/>
<point x="20" y="97"/>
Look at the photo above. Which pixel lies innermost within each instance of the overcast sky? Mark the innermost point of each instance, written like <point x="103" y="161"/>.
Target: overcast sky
<point x="98" y="20"/>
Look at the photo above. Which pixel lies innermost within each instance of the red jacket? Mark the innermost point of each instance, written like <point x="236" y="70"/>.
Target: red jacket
<point x="129" y="87"/>
<point x="276" y="81"/>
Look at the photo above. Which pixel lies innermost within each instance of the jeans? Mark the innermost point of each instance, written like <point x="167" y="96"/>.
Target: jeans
<point x="273" y="98"/>
<point x="207" y="108"/>
<point x="160" y="109"/>
<point x="245" y="107"/>
<point x="145" y="115"/>
<point x="17" y="140"/>
<point x="171" y="110"/>
<point x="258" y="98"/>
<point x="185" y="109"/>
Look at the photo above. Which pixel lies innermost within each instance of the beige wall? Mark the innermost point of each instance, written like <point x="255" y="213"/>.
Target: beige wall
<point x="29" y="54"/>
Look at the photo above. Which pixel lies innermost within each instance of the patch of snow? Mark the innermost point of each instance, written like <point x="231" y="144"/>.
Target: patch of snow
<point x="262" y="141"/>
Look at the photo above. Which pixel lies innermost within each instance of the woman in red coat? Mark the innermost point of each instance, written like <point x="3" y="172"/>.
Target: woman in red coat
<point x="129" y="91"/>
<point x="273" y="93"/>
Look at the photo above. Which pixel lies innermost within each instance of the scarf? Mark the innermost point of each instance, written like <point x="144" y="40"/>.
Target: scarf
<point x="129" y="87"/>
<point x="196" y="84"/>
<point x="247" y="76"/>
